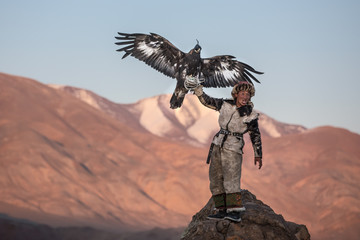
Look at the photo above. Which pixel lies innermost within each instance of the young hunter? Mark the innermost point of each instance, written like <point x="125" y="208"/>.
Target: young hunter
<point x="236" y="118"/>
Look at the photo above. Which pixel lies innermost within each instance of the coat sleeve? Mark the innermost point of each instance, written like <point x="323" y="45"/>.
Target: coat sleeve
<point x="207" y="101"/>
<point x="255" y="137"/>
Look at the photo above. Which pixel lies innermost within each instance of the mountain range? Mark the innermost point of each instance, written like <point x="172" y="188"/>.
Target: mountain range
<point x="193" y="123"/>
<point x="69" y="157"/>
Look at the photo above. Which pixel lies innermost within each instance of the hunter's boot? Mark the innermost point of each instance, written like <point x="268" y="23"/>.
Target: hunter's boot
<point x="220" y="207"/>
<point x="234" y="207"/>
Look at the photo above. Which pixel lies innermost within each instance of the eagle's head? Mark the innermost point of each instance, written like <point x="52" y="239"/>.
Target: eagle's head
<point x="197" y="48"/>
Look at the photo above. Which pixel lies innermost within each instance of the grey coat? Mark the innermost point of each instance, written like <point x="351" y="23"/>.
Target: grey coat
<point x="234" y="122"/>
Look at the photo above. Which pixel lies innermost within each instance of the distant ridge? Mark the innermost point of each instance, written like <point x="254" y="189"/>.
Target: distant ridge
<point x="192" y="123"/>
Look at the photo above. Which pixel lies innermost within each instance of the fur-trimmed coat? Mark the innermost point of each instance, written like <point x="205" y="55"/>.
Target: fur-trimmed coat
<point x="236" y="121"/>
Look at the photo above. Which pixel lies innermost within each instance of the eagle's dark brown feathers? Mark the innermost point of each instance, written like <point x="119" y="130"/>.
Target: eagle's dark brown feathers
<point x="162" y="55"/>
<point x="152" y="49"/>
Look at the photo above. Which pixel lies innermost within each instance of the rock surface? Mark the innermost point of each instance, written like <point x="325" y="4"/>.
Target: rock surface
<point x="259" y="222"/>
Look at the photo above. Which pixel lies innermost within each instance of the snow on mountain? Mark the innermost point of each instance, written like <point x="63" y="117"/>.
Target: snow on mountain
<point x="84" y="95"/>
<point x="272" y="128"/>
<point x="192" y="123"/>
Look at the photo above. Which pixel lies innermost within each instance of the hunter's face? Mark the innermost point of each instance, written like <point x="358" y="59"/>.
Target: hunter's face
<point x="242" y="98"/>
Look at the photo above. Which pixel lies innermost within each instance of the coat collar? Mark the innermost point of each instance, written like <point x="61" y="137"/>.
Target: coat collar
<point x="244" y="110"/>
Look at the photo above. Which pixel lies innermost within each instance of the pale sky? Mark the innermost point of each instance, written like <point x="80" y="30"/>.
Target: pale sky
<point x="309" y="50"/>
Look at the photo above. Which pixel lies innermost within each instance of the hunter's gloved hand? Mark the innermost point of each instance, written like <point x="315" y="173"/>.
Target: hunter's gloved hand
<point x="258" y="159"/>
<point x="191" y="82"/>
<point x="198" y="91"/>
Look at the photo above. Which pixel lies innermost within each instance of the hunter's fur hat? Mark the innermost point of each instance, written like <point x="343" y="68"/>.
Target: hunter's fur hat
<point x="243" y="86"/>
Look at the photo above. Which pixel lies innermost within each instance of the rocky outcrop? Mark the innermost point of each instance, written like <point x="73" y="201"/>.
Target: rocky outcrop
<point x="259" y="222"/>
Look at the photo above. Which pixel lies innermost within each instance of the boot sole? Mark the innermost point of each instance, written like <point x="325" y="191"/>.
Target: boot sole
<point x="233" y="219"/>
<point x="210" y="218"/>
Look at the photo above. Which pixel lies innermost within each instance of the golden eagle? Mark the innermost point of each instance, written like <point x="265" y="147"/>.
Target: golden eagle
<point x="159" y="53"/>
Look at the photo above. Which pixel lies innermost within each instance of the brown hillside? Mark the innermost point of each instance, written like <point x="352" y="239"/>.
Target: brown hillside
<point x="66" y="161"/>
<point x="60" y="156"/>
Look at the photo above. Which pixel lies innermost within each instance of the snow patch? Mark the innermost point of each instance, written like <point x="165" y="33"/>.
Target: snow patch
<point x="153" y="119"/>
<point x="86" y="97"/>
<point x="203" y="129"/>
<point x="56" y="86"/>
<point x="81" y="94"/>
<point x="268" y="125"/>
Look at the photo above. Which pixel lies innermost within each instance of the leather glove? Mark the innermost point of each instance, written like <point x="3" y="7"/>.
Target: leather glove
<point x="198" y="91"/>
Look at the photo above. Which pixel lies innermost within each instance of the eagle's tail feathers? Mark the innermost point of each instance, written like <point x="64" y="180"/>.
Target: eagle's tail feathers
<point x="176" y="101"/>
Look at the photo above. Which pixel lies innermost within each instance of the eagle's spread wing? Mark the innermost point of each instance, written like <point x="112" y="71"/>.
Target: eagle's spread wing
<point x="153" y="49"/>
<point x="225" y="71"/>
